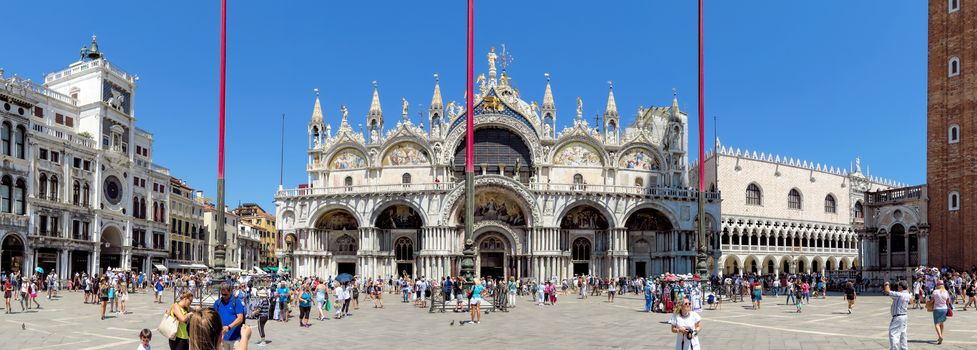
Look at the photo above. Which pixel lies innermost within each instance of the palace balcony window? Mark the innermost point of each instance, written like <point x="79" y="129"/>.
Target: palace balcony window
<point x="954" y="66"/>
<point x="794" y="199"/>
<point x="830" y="205"/>
<point x="753" y="195"/>
<point x="954" y="133"/>
<point x="859" y="211"/>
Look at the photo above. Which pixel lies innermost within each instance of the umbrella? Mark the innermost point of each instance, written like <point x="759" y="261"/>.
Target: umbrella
<point x="344" y="277"/>
<point x="696" y="278"/>
<point x="39" y="269"/>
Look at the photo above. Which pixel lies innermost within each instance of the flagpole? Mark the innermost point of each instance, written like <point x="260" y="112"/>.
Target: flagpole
<point x="468" y="258"/>
<point x="219" y="251"/>
<point x="701" y="265"/>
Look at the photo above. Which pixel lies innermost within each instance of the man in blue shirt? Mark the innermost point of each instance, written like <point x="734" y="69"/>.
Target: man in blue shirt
<point x="231" y="311"/>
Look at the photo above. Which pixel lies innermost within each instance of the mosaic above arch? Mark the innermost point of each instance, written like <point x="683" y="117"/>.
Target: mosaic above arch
<point x="577" y="154"/>
<point x="640" y="159"/>
<point x="406" y="153"/>
<point x="336" y="220"/>
<point x="495" y="206"/>
<point x="347" y="159"/>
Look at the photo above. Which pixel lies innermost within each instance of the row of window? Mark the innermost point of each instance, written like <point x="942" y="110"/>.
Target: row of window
<point x="755" y="197"/>
<point x="184" y="228"/>
<point x="139" y="209"/>
<point x="142" y="151"/>
<point x="48" y="225"/>
<point x="13" y="195"/>
<point x="12" y="136"/>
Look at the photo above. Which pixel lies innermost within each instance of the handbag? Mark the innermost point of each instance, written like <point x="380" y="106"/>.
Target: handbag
<point x="949" y="311"/>
<point x="328" y="305"/>
<point x="929" y="305"/>
<point x="168" y="326"/>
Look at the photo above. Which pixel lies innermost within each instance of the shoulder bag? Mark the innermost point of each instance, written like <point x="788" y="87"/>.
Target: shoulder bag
<point x="168" y="325"/>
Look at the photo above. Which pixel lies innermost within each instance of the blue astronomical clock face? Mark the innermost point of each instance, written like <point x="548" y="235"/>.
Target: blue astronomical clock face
<point x="113" y="189"/>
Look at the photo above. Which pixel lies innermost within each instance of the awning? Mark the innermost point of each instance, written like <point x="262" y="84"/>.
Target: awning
<point x="272" y="269"/>
<point x="232" y="269"/>
<point x="259" y="271"/>
<point x="199" y="266"/>
<point x="160" y="267"/>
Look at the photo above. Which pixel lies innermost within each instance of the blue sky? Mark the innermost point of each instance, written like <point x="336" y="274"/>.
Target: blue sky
<point x="823" y="81"/>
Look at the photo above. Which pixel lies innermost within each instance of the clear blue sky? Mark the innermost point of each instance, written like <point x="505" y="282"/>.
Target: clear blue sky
<point x="823" y="81"/>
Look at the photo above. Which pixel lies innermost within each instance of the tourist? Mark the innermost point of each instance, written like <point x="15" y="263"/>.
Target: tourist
<point x="540" y="294"/>
<point x="776" y="288"/>
<point x="346" y="299"/>
<point x="180" y="310"/>
<point x="850" y="295"/>
<point x="898" y="337"/>
<point x="103" y="293"/>
<point x="8" y="291"/>
<point x="806" y="289"/>
<point x="917" y="293"/>
<point x="355" y="294"/>
<point x="261" y="313"/>
<point x="798" y="296"/>
<point x="339" y="292"/>
<point x="231" y="313"/>
<point x="941" y="306"/>
<point x="611" y="289"/>
<point x="377" y="292"/>
<point x="283" y="293"/>
<point x="34" y="286"/>
<point x="475" y="301"/>
<point x="305" y="306"/>
<point x="321" y="297"/>
<point x="757" y="294"/>
<point x="971" y="292"/>
<point x="686" y="324"/>
<point x="205" y="330"/>
<point x="122" y="294"/>
<point x="159" y="291"/>
<point x="145" y="336"/>
<point x="86" y="283"/>
<point x="649" y="296"/>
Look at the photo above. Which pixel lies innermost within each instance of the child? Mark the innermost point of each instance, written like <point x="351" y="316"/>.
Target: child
<point x="145" y="336"/>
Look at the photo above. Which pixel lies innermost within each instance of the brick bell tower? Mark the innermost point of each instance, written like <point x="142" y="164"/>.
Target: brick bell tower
<point x="951" y="156"/>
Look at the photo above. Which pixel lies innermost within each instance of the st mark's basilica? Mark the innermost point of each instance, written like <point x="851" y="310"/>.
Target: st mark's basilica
<point x="607" y="200"/>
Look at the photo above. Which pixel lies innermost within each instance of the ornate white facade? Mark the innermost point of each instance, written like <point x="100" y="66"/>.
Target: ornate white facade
<point x="784" y="215"/>
<point x="610" y="201"/>
<point x="95" y="199"/>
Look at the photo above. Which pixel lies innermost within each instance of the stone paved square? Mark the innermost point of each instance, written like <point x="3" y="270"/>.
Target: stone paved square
<point x="593" y="323"/>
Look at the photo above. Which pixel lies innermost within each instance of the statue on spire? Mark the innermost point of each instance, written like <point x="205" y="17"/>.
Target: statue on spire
<point x="491" y="62"/>
<point x="579" y="108"/>
<point x="405" y="107"/>
<point x="345" y="112"/>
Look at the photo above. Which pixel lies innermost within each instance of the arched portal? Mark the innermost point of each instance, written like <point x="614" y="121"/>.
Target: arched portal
<point x="492" y="255"/>
<point x="400" y="224"/>
<point x="752" y="265"/>
<point x="655" y="228"/>
<point x="730" y="266"/>
<point x="497" y="151"/>
<point x="580" y="253"/>
<point x="12" y="250"/>
<point x="334" y="231"/>
<point x="110" y="254"/>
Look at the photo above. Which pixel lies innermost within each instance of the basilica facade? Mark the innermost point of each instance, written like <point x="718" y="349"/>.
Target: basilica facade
<point x="608" y="199"/>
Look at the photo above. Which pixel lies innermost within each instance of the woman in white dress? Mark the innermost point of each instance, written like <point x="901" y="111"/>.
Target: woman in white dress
<point x="686" y="325"/>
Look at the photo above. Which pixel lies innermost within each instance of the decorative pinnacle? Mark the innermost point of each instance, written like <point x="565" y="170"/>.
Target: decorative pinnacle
<point x="611" y="84"/>
<point x="674" y="92"/>
<point x="435" y="77"/>
<point x="316" y="92"/>
<point x="374" y="84"/>
<point x="547" y="75"/>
